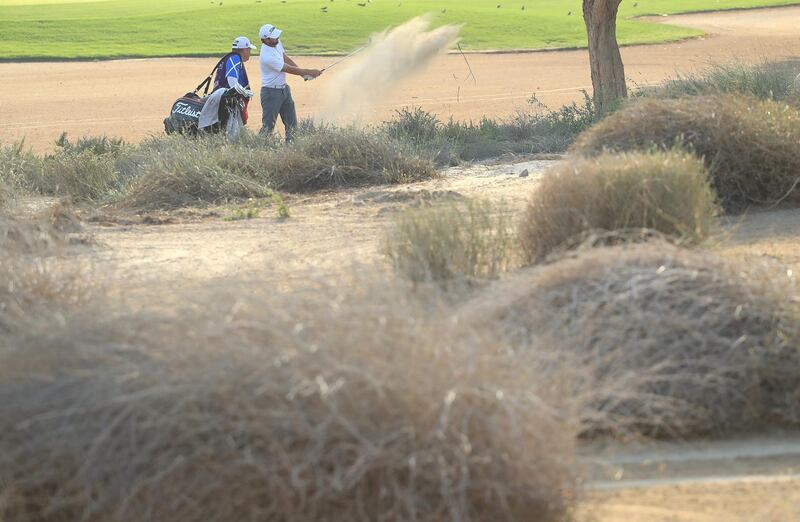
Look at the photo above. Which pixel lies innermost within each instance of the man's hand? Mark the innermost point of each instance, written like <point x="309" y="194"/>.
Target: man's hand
<point x="305" y="73"/>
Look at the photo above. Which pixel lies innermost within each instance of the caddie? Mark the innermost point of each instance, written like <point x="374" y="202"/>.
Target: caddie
<point x="276" y="96"/>
<point x="230" y="70"/>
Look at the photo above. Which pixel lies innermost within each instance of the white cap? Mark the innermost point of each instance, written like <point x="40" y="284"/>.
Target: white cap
<point x="269" y="31"/>
<point x="242" y="43"/>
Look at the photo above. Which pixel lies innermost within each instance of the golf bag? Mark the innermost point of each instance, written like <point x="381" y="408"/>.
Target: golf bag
<point x="184" y="117"/>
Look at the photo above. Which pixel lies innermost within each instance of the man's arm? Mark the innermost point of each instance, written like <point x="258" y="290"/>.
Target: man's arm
<point x="288" y="60"/>
<point x="293" y="69"/>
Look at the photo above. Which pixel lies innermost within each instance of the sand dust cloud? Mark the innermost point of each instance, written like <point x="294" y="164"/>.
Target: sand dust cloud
<point x="391" y="57"/>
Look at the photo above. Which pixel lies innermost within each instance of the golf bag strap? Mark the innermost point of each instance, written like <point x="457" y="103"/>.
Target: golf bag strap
<point x="207" y="81"/>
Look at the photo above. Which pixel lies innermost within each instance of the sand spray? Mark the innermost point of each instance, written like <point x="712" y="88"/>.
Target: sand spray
<point x="390" y="58"/>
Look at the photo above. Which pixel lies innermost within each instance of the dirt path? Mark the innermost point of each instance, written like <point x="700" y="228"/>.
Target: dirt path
<point x="327" y="235"/>
<point x="130" y="98"/>
<point x="754" y="478"/>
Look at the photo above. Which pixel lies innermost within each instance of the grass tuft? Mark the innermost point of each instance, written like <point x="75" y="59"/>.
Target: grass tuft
<point x="666" y="192"/>
<point x="257" y="406"/>
<point x="452" y="243"/>
<point x="765" y="81"/>
<point x="664" y="341"/>
<point x="749" y="146"/>
<point x="18" y="166"/>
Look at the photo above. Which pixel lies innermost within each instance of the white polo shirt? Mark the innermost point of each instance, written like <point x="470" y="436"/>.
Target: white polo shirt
<point x="271" y="61"/>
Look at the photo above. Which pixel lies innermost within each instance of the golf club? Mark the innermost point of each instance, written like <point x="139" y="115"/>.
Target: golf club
<point x="337" y="62"/>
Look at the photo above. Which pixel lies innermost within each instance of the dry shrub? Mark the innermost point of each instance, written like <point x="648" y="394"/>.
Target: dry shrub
<point x="749" y="146"/>
<point x="349" y="408"/>
<point x="6" y="195"/>
<point x="332" y="158"/>
<point x="18" y="166"/>
<point x="176" y="171"/>
<point x="33" y="282"/>
<point x="190" y="180"/>
<point x="452" y="242"/>
<point x="34" y="289"/>
<point x="669" y="342"/>
<point x="82" y="176"/>
<point x="38" y="233"/>
<point x="667" y="192"/>
<point x="765" y="80"/>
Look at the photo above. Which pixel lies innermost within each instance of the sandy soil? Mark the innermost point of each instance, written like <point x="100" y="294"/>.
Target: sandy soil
<point x="332" y="236"/>
<point x="327" y="235"/>
<point x="130" y="98"/>
<point x="769" y="500"/>
<point x="751" y="478"/>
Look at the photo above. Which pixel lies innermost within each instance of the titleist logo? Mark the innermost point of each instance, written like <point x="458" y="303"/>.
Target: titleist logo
<point x="186" y="110"/>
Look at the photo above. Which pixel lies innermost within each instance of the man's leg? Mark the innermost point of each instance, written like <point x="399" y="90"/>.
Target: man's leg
<point x="271" y="101"/>
<point x="289" y="115"/>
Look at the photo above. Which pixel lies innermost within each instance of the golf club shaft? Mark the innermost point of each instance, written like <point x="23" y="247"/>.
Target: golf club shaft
<point x="345" y="58"/>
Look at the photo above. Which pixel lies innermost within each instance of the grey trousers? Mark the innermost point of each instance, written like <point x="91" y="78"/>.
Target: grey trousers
<point x="274" y="102"/>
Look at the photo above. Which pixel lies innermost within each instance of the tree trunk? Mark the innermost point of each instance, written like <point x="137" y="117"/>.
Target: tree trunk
<point x="608" y="73"/>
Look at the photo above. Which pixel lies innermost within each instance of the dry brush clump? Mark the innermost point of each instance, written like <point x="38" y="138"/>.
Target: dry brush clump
<point x="662" y="340"/>
<point x="765" y="80"/>
<point x="33" y="281"/>
<point x="634" y="194"/>
<point x="6" y="195"/>
<point x="175" y="171"/>
<point x="18" y="166"/>
<point x="82" y="176"/>
<point x="342" y="157"/>
<point x="451" y="243"/>
<point x="196" y="173"/>
<point x="345" y="408"/>
<point x="36" y="233"/>
<point x="749" y="146"/>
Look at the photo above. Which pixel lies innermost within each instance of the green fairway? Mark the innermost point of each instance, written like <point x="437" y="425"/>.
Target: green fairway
<point x="67" y="29"/>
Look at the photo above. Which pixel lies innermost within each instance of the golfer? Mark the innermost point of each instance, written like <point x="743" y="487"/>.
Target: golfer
<point x="276" y="97"/>
<point x="230" y="70"/>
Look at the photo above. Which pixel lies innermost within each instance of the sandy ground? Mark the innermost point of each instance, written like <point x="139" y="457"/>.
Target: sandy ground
<point x="755" y="478"/>
<point x="329" y="234"/>
<point x="334" y="235"/>
<point x="130" y="98"/>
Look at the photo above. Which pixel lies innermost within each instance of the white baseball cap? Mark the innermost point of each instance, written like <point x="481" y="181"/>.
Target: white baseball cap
<point x="242" y="43"/>
<point x="269" y="31"/>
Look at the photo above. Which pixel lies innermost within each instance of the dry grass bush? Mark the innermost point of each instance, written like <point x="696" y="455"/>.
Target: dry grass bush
<point x="331" y="158"/>
<point x="18" y="166"/>
<point x="670" y="342"/>
<point x="347" y="408"/>
<point x="668" y="192"/>
<point x="175" y="171"/>
<point x="33" y="289"/>
<point x="452" y="243"/>
<point x="749" y="146"/>
<point x="766" y="81"/>
<point x="82" y="175"/>
<point x="196" y="174"/>
<point x="38" y="233"/>
<point x="32" y="280"/>
<point x="533" y="129"/>
<point x="6" y="195"/>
